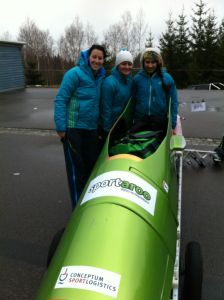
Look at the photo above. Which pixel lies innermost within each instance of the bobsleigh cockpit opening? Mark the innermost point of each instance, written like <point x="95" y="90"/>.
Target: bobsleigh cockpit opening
<point x="140" y="139"/>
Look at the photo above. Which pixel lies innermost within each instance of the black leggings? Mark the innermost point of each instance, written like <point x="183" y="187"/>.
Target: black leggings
<point x="81" y="150"/>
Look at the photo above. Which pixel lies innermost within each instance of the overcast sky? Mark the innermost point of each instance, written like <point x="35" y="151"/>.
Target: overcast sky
<point x="57" y="15"/>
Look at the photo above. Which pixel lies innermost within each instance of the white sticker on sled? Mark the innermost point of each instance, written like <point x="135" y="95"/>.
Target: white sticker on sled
<point x="124" y="185"/>
<point x="89" y="278"/>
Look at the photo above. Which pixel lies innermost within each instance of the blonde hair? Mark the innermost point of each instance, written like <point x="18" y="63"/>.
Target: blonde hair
<point x="153" y="54"/>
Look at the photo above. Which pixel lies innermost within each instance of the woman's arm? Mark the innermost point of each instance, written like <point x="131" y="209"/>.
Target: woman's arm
<point x="107" y="97"/>
<point x="174" y="105"/>
<point x="67" y="89"/>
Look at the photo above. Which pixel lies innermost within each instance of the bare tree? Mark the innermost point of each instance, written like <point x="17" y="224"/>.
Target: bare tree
<point x="112" y="39"/>
<point x="90" y="36"/>
<point x="139" y="30"/>
<point x="127" y="33"/>
<point x="120" y="35"/>
<point x="39" y="43"/>
<point x="72" y="41"/>
<point x="62" y="49"/>
<point x="6" y="36"/>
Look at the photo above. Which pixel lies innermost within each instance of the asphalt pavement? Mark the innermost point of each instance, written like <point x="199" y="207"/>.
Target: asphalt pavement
<point x="34" y="200"/>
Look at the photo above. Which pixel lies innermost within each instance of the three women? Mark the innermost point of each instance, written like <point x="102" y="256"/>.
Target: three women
<point x="77" y="104"/>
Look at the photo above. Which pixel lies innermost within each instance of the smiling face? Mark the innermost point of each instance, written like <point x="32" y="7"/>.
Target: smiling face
<point x="125" y="68"/>
<point x="96" y="60"/>
<point x="150" y="65"/>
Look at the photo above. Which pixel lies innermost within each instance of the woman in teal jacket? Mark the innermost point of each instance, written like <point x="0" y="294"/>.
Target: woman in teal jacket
<point x="76" y="116"/>
<point x="116" y="90"/>
<point x="153" y="88"/>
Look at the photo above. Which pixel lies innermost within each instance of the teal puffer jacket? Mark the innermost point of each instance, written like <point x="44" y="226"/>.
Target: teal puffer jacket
<point x="150" y="96"/>
<point x="116" y="91"/>
<point x="77" y="102"/>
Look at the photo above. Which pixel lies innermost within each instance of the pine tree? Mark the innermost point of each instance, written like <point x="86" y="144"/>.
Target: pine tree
<point x="220" y="55"/>
<point x="149" y="40"/>
<point x="198" y="36"/>
<point x="167" y="45"/>
<point x="182" y="51"/>
<point x="33" y="76"/>
<point x="211" y="48"/>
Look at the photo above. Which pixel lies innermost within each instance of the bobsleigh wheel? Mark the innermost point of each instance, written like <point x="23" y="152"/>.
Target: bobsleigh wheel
<point x="192" y="287"/>
<point x="54" y="244"/>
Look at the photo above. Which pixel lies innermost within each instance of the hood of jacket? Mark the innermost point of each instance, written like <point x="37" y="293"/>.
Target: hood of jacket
<point x="83" y="63"/>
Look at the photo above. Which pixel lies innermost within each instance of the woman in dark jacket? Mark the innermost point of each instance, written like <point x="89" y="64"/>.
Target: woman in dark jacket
<point x="153" y="88"/>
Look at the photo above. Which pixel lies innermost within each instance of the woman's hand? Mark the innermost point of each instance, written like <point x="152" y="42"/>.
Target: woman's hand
<point x="61" y="134"/>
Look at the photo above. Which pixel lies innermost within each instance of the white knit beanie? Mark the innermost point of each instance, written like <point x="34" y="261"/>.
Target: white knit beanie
<point x="123" y="55"/>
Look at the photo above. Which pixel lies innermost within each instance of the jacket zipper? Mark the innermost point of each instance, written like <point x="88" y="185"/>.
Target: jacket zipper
<point x="150" y="94"/>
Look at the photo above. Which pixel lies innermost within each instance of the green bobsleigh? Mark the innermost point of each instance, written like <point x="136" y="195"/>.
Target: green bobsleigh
<point x="120" y="242"/>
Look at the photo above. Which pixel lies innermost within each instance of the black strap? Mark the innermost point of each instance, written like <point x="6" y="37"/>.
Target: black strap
<point x="145" y="135"/>
<point x="150" y="148"/>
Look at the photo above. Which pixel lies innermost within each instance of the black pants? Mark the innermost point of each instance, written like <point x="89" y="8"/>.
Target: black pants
<point x="81" y="150"/>
<point x="150" y="122"/>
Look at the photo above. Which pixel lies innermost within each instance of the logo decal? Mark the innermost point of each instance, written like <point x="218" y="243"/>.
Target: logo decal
<point x="89" y="278"/>
<point x="124" y="185"/>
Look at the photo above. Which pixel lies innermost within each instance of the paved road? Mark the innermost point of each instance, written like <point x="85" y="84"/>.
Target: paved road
<point x="34" y="196"/>
<point x="209" y="123"/>
<point x="34" y="204"/>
